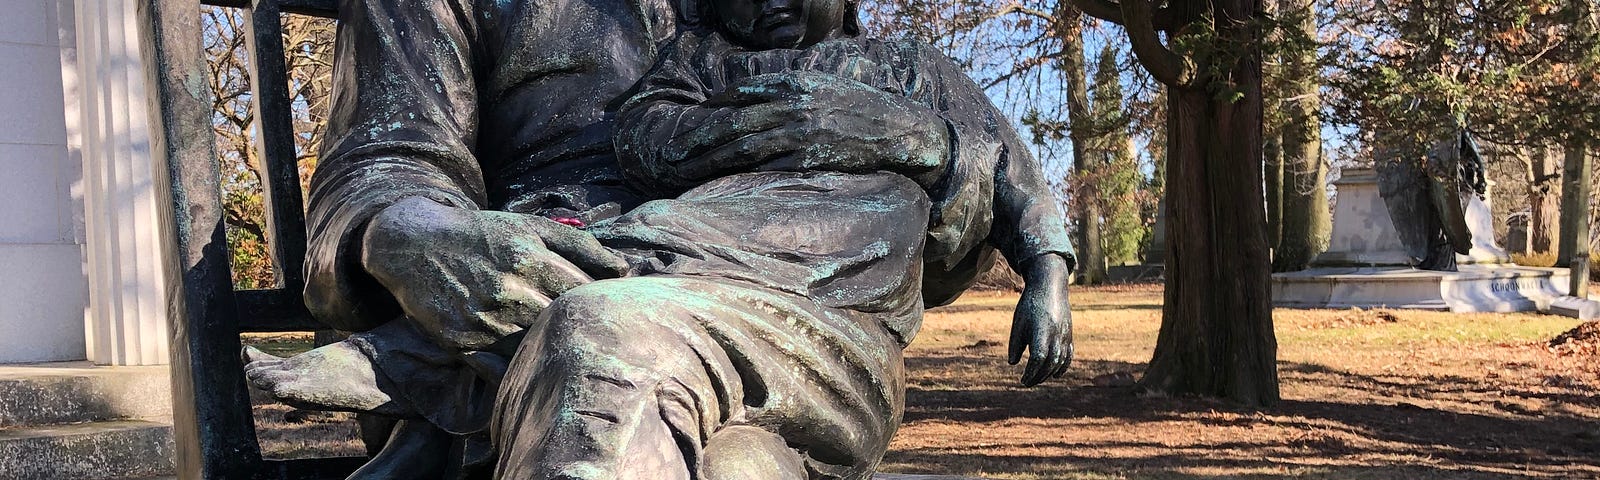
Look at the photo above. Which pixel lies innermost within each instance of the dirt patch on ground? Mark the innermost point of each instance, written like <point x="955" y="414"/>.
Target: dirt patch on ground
<point x="1355" y="317"/>
<point x="1370" y="394"/>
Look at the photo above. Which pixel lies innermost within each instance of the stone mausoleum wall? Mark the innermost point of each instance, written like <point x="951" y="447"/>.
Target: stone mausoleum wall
<point x="43" y="280"/>
<point x="79" y="263"/>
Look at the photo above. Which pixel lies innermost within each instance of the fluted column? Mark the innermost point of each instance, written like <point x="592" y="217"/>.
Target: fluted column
<point x="127" y="318"/>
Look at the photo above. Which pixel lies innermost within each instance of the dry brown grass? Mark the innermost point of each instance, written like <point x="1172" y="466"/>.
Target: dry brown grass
<point x="286" y="432"/>
<point x="1367" y="395"/>
<point x="1539" y="259"/>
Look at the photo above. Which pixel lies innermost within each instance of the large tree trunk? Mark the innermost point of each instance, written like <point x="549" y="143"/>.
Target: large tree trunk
<point x="1091" y="258"/>
<point x="1306" y="222"/>
<point x="1216" y="331"/>
<point x="1574" y="251"/>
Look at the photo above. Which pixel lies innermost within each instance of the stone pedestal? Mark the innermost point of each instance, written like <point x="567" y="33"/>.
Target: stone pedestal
<point x="1579" y="308"/>
<point x="1362" y="233"/>
<point x="1475" y="288"/>
<point x="1366" y="265"/>
<point x="1154" y="267"/>
<point x="1156" y="252"/>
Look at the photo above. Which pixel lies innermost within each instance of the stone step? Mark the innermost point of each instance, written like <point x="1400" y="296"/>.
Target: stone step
<point x="98" y="450"/>
<point x="1474" y="288"/>
<point x="78" y="392"/>
<point x="1579" y="308"/>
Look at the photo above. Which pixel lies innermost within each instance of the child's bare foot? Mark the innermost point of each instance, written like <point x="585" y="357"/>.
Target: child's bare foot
<point x="335" y="377"/>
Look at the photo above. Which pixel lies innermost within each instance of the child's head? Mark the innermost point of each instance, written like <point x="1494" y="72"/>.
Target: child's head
<point x="767" y="24"/>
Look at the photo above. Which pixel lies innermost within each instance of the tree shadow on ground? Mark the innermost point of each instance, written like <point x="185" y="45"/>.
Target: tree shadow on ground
<point x="1394" y="426"/>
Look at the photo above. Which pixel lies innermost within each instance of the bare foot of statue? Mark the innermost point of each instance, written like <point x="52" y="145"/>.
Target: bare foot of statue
<point x="252" y="355"/>
<point x="334" y="377"/>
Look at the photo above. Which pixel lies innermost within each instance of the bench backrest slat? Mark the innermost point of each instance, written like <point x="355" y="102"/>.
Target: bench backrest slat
<point x="213" y="422"/>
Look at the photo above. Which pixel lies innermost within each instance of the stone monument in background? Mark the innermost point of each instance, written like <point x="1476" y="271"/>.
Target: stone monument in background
<point x="1366" y="264"/>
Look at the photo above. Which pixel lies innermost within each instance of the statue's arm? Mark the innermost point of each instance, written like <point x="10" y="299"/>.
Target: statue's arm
<point x="1028" y="221"/>
<point x="1029" y="227"/>
<point x="667" y="121"/>
<point x="403" y="125"/>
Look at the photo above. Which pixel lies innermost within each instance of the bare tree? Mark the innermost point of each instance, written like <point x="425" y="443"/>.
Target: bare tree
<point x="308" y="52"/>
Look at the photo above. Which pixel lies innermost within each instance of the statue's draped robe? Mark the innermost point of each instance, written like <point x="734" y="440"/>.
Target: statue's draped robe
<point x="479" y="104"/>
<point x="990" y="192"/>
<point x="777" y="300"/>
<point x="476" y="104"/>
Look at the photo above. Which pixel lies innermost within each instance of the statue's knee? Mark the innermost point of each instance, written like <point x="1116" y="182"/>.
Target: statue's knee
<point x="619" y="302"/>
<point x="750" y="453"/>
<point x="614" y="316"/>
<point x="587" y="306"/>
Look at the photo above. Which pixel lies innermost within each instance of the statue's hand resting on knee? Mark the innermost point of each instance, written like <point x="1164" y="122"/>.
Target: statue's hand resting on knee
<point x="472" y="277"/>
<point x="467" y="278"/>
<point x="1043" y="321"/>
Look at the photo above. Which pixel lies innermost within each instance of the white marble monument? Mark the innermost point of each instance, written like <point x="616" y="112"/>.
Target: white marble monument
<point x="1366" y="265"/>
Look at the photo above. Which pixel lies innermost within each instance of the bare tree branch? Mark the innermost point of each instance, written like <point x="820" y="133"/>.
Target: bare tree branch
<point x="1164" y="65"/>
<point x="1018" y="8"/>
<point x="1022" y="67"/>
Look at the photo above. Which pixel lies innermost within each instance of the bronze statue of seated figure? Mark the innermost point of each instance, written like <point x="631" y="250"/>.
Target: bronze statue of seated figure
<point x="631" y="239"/>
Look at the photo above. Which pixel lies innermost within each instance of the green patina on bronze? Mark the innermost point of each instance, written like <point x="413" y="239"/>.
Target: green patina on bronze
<point x="761" y="229"/>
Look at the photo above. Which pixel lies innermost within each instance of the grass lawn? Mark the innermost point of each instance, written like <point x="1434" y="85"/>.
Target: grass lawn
<point x="1367" y="394"/>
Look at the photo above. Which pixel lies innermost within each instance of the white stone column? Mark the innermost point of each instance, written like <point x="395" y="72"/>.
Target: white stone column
<point x="127" y="318"/>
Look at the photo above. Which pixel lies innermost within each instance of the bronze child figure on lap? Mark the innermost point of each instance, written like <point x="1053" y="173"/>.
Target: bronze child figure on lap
<point x="840" y="250"/>
<point x="991" y="191"/>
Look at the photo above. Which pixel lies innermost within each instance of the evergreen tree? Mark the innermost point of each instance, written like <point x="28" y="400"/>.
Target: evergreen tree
<point x="1303" y="220"/>
<point x="1117" y="175"/>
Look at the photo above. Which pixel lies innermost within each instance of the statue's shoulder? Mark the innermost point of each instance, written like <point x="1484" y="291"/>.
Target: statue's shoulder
<point x="910" y="52"/>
